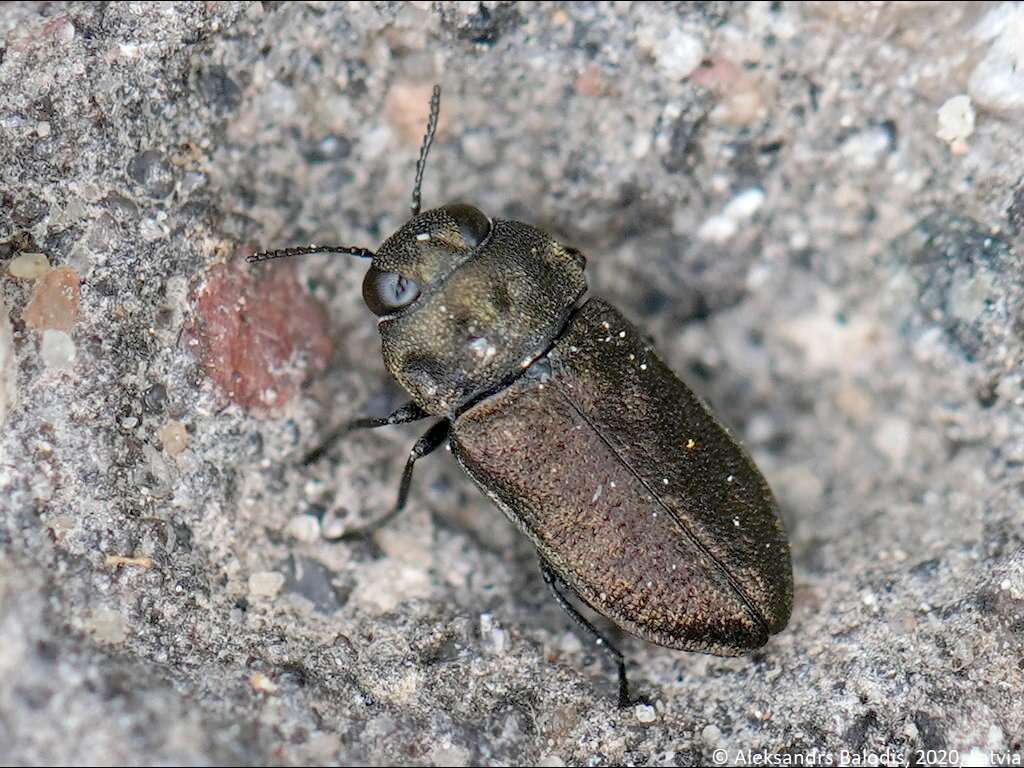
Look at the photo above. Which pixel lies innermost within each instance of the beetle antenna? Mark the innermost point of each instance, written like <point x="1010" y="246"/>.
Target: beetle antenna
<point x="421" y="164"/>
<point x="303" y="250"/>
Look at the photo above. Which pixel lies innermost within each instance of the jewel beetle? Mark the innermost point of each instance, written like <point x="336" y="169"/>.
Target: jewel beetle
<point x="640" y="503"/>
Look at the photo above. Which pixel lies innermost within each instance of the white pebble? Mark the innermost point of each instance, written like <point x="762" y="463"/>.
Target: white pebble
<point x="956" y="119"/>
<point x="645" y="713"/>
<point x="717" y="229"/>
<point x="745" y="204"/>
<point x="864" y="149"/>
<point x="676" y="53"/>
<point x="725" y="225"/>
<point x="892" y="439"/>
<point x="265" y="584"/>
<point x="304" y="528"/>
<point x="57" y="350"/>
<point x="493" y="637"/>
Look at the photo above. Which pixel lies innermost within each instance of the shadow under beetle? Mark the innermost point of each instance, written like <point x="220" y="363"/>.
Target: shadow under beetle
<point x="639" y="502"/>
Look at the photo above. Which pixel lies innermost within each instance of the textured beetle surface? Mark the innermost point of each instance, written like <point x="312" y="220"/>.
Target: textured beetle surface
<point x="632" y="491"/>
<point x="635" y="496"/>
<point x="483" y="312"/>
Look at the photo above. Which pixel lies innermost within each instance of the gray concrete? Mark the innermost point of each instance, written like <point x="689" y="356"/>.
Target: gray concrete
<point x="840" y="281"/>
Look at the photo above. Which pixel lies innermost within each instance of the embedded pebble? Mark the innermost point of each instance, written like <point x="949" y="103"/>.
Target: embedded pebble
<point x="54" y="302"/>
<point x="570" y="643"/>
<point x="153" y="173"/>
<point x="154" y="398"/>
<point x="450" y="756"/>
<point x="174" y="437"/>
<point x="997" y="82"/>
<point x="407" y="107"/>
<point x="956" y="119"/>
<point x="893" y="439"/>
<point x="743" y="104"/>
<point x="265" y="584"/>
<point x="492" y="636"/>
<point x="334" y="524"/>
<point x="28" y="266"/>
<point x="710" y="734"/>
<point x="725" y="225"/>
<point x="865" y="149"/>
<point x="386" y="583"/>
<point x="257" y="334"/>
<point x="717" y="74"/>
<point x="645" y="713"/>
<point x="57" y="350"/>
<point x="260" y="683"/>
<point x="678" y="53"/>
<point x="304" y="528"/>
<point x="107" y="626"/>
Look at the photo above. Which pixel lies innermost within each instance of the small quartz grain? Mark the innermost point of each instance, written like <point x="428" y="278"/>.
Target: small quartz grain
<point x="710" y="734"/>
<point x="265" y="584"/>
<point x="58" y="350"/>
<point x="645" y="713"/>
<point x="304" y="528"/>
<point x="107" y="626"/>
<point x="956" y="119"/>
<point x="28" y="266"/>
<point x="173" y="437"/>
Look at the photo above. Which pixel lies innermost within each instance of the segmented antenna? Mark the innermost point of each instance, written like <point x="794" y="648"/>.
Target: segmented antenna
<point x="421" y="164"/>
<point x="303" y="250"/>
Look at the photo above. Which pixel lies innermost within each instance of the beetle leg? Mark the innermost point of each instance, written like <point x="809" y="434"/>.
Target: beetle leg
<point x="405" y="414"/>
<point x="432" y="439"/>
<point x="552" y="580"/>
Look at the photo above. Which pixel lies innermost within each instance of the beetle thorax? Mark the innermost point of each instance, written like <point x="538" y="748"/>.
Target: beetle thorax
<point x="483" y="315"/>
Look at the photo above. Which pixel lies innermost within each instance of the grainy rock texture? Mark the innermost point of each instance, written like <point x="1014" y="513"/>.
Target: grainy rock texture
<point x="770" y="189"/>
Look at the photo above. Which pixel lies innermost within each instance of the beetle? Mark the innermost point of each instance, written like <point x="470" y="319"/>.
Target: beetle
<point x="639" y="502"/>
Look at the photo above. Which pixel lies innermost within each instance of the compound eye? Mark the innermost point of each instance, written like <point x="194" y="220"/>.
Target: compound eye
<point x="387" y="292"/>
<point x="473" y="224"/>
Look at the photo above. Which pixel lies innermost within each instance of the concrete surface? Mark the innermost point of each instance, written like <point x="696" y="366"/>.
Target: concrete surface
<point x="816" y="210"/>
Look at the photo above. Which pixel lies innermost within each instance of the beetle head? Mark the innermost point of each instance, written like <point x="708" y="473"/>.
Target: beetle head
<point x="465" y="302"/>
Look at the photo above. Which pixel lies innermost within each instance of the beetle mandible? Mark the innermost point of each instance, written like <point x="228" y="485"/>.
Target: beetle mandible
<point x="640" y="503"/>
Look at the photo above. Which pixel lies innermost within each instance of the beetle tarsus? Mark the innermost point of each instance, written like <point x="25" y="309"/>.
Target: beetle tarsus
<point x="407" y="413"/>
<point x="552" y="580"/>
<point x="431" y="440"/>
